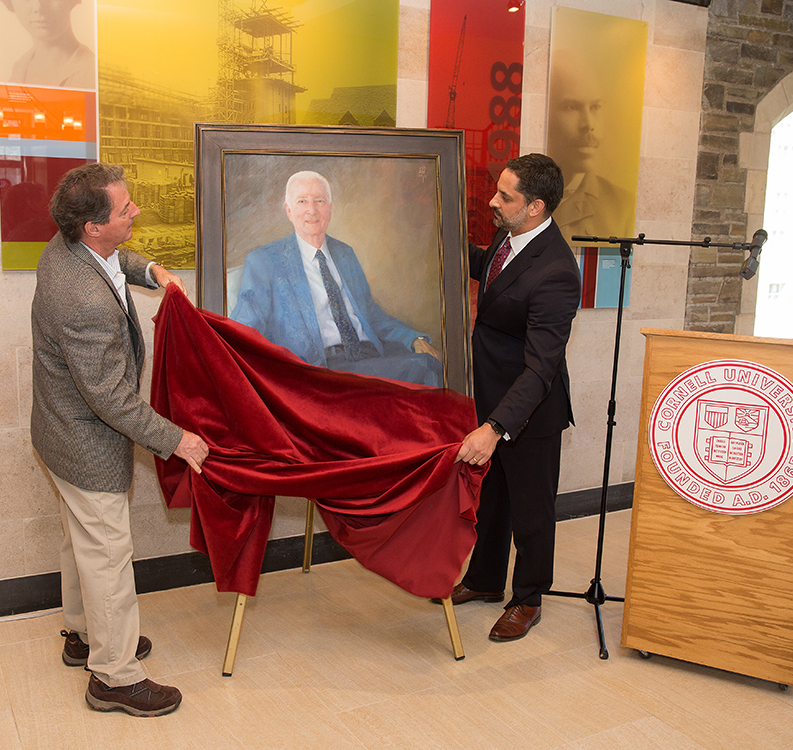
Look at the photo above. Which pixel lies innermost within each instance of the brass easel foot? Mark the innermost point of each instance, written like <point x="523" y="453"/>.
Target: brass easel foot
<point x="454" y="631"/>
<point x="308" y="543"/>
<point x="234" y="635"/>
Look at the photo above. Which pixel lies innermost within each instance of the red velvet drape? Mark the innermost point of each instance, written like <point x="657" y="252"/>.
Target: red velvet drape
<point x="377" y="455"/>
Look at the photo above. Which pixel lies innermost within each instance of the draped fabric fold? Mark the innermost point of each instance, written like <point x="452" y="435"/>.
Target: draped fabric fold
<point x="376" y="455"/>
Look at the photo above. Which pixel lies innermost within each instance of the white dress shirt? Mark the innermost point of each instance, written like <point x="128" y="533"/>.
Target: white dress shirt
<point x="112" y="268"/>
<point x="519" y="241"/>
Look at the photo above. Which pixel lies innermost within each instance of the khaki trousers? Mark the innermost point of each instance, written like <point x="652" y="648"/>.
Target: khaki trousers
<point x="97" y="581"/>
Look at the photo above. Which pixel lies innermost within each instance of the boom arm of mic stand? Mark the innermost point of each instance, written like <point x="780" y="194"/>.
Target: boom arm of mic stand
<point x="642" y="240"/>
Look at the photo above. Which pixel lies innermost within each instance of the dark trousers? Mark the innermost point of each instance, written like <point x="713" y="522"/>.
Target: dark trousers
<point x="518" y="501"/>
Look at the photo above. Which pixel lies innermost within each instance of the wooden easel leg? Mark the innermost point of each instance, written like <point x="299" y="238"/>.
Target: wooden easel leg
<point x="308" y="543"/>
<point x="454" y="631"/>
<point x="234" y="635"/>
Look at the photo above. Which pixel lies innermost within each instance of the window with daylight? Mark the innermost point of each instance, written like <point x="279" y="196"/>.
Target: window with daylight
<point x="774" y="311"/>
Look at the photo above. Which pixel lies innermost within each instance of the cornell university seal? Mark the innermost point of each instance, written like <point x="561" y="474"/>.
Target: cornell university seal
<point x="720" y="436"/>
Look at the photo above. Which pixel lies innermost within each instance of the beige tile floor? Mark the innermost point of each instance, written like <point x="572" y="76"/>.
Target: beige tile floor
<point x="342" y="659"/>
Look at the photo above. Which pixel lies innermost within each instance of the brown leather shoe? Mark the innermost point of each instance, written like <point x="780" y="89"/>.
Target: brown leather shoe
<point x="515" y="623"/>
<point x="75" y="652"/>
<point x="462" y="594"/>
<point x="144" y="698"/>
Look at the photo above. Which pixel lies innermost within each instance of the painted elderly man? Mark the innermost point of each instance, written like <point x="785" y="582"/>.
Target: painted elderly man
<point x="308" y="293"/>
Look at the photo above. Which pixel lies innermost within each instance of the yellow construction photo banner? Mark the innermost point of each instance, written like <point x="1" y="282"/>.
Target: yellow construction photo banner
<point x="166" y="64"/>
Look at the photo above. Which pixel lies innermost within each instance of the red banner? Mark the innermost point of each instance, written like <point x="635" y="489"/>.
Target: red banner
<point x="475" y="84"/>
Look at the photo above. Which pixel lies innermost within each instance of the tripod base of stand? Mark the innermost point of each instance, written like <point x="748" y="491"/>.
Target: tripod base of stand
<point x="596" y="596"/>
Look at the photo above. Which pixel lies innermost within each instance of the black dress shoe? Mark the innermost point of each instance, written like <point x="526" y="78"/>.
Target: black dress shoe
<point x="515" y="623"/>
<point x="462" y="594"/>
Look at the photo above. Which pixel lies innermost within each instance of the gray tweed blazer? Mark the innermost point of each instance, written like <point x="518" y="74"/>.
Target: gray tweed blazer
<point x="87" y="358"/>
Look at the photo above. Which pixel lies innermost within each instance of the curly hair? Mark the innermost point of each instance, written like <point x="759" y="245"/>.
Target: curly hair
<point x="81" y="196"/>
<point x="539" y="176"/>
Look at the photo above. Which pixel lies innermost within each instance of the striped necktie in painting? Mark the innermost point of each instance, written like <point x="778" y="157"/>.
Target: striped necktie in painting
<point x="349" y="339"/>
<point x="498" y="262"/>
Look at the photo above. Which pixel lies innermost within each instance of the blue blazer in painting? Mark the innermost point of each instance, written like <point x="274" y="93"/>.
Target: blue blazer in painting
<point x="275" y="299"/>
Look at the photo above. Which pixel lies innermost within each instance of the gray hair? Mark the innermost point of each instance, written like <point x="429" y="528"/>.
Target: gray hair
<point x="307" y="175"/>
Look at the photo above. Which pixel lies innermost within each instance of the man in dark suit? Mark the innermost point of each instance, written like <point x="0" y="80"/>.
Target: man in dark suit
<point x="87" y="415"/>
<point x="308" y="292"/>
<point x="529" y="289"/>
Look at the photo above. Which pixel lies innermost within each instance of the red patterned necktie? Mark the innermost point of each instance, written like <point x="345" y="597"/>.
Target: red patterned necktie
<point x="498" y="262"/>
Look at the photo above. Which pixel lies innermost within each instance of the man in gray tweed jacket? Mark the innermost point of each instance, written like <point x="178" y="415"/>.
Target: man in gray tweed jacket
<point x="88" y="353"/>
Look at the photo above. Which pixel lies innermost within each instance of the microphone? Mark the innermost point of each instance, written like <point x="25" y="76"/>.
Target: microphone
<point x="752" y="263"/>
<point x="758" y="240"/>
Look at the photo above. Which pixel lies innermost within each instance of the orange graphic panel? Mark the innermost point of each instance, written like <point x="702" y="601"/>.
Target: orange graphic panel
<point x="47" y="114"/>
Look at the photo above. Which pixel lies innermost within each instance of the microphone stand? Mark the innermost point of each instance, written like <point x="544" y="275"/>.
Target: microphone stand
<point x="596" y="594"/>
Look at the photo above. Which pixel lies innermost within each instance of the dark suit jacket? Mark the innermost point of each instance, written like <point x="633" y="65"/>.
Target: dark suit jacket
<point x="87" y="358"/>
<point x="522" y="326"/>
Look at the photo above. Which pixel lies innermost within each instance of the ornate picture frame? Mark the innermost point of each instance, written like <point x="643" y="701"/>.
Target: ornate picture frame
<point x="398" y="198"/>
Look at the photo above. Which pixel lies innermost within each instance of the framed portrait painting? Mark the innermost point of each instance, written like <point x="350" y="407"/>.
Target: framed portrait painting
<point x="347" y="246"/>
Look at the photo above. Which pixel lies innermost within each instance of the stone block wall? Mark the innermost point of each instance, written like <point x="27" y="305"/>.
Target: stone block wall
<point x="749" y="50"/>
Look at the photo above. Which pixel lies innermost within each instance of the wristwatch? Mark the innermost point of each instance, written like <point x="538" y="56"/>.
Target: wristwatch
<point x="497" y="428"/>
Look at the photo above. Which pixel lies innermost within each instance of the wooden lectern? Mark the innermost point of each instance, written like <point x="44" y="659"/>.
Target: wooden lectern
<point x="707" y="587"/>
